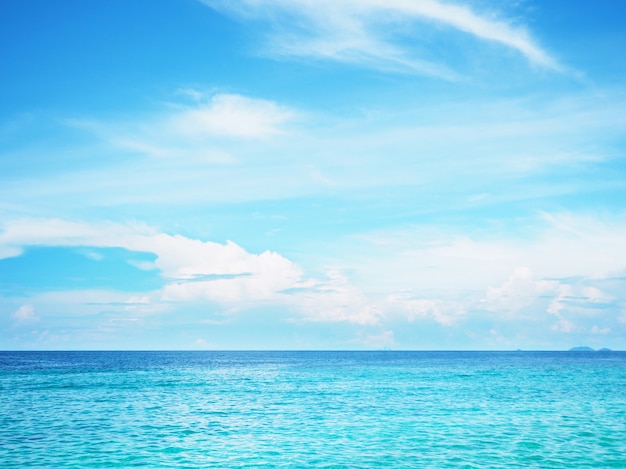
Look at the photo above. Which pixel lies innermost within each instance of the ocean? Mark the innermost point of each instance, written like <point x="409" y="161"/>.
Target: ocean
<point x="313" y="409"/>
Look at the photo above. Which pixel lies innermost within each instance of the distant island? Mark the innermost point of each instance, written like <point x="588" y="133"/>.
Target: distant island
<point x="584" y="348"/>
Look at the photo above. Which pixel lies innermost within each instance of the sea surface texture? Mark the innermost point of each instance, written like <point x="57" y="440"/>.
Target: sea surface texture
<point x="313" y="409"/>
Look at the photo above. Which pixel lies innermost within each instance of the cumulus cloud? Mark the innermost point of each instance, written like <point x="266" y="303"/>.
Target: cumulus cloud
<point x="205" y="271"/>
<point x="571" y="302"/>
<point x="262" y="277"/>
<point x="181" y="260"/>
<point x="566" y="275"/>
<point x="359" y="31"/>
<point x="578" y="306"/>
<point x="231" y="115"/>
<point x="519" y="291"/>
<point x="24" y="315"/>
<point x="432" y="278"/>
<point x="334" y="299"/>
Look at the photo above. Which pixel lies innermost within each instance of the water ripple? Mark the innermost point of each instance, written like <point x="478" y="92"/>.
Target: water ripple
<point x="326" y="410"/>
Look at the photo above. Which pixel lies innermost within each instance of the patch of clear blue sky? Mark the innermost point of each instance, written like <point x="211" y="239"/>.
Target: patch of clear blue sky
<point x="108" y="56"/>
<point x="42" y="269"/>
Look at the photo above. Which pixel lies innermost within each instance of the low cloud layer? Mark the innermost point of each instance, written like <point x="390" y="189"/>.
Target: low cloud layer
<point x="564" y="281"/>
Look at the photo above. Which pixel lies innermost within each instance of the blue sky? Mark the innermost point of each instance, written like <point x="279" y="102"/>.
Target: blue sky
<point x="290" y="174"/>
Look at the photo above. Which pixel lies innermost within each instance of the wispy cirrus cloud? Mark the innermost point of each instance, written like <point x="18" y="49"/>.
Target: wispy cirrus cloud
<point x="369" y="32"/>
<point x="190" y="130"/>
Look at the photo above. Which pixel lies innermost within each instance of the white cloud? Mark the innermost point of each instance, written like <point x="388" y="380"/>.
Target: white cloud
<point x="424" y="275"/>
<point x="197" y="270"/>
<point x="9" y="251"/>
<point x="596" y="296"/>
<point x="572" y="302"/>
<point x="184" y="258"/>
<point x="577" y="305"/>
<point x="233" y="116"/>
<point x="540" y="249"/>
<point x="334" y="299"/>
<point x="181" y="260"/>
<point x="519" y="291"/>
<point x="25" y="314"/>
<point x="358" y="31"/>
<point x="200" y="131"/>
<point x="580" y="245"/>
<point x="558" y="273"/>
<point x="55" y="232"/>
<point x="466" y="20"/>
<point x="257" y="277"/>
<point x="504" y="146"/>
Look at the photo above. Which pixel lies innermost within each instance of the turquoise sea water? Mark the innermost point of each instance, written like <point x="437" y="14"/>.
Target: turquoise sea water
<point x="312" y="409"/>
